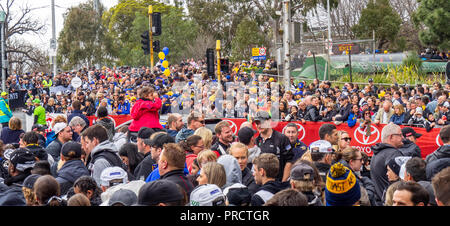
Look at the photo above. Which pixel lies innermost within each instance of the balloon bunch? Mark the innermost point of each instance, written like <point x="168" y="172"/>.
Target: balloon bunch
<point x="164" y="63"/>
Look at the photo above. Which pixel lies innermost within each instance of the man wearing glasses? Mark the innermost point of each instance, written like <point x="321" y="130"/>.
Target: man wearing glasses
<point x="195" y="120"/>
<point x="392" y="140"/>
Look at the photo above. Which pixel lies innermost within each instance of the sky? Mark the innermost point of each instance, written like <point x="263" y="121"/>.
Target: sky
<point x="44" y="14"/>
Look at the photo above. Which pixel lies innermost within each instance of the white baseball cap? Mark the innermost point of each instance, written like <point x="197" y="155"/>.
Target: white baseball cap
<point x="321" y="146"/>
<point x="207" y="195"/>
<point x="113" y="173"/>
<point x="58" y="127"/>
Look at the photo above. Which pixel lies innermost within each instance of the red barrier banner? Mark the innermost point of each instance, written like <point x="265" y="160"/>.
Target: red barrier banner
<point x="117" y="119"/>
<point x="309" y="132"/>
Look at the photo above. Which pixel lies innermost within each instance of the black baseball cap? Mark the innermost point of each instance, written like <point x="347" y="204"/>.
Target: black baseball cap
<point x="30" y="180"/>
<point x="245" y="134"/>
<point x="145" y="133"/>
<point x="71" y="149"/>
<point x="302" y="171"/>
<point x="408" y="131"/>
<point x="22" y="159"/>
<point x="160" y="139"/>
<point x="159" y="191"/>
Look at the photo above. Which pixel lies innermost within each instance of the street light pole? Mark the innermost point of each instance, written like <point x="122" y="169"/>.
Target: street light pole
<point x="286" y="45"/>
<point x="53" y="40"/>
<point x="2" y="31"/>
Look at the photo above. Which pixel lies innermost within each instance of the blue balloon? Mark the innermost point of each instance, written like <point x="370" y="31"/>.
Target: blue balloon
<point x="166" y="51"/>
<point x="161" y="60"/>
<point x="162" y="68"/>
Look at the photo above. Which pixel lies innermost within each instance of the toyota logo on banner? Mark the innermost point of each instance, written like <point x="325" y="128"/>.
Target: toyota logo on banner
<point x="361" y="137"/>
<point x="301" y="131"/>
<point x="233" y="126"/>
<point x="439" y="141"/>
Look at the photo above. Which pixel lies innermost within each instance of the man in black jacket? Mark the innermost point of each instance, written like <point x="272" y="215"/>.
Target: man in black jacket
<point x="144" y="168"/>
<point x="312" y="113"/>
<point x="344" y="110"/>
<point x="391" y="138"/>
<point x="272" y="141"/>
<point x="73" y="167"/>
<point x="266" y="168"/>
<point x="171" y="166"/>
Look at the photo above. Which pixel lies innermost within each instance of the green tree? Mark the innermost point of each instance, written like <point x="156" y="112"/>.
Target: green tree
<point x="83" y="40"/>
<point x="127" y="20"/>
<point x="248" y="36"/>
<point x="434" y="15"/>
<point x="378" y="16"/>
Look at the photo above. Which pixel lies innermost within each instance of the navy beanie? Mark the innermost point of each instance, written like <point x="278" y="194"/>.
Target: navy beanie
<point x="342" y="188"/>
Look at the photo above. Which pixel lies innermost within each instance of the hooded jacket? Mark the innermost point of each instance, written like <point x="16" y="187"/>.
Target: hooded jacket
<point x="249" y="181"/>
<point x="11" y="196"/>
<point x="232" y="170"/>
<point x="442" y="152"/>
<point x="54" y="149"/>
<point x="179" y="178"/>
<point x="267" y="191"/>
<point x="382" y="153"/>
<point x="120" y="139"/>
<point x="436" y="166"/>
<point x="145" y="113"/>
<point x="409" y="148"/>
<point x="69" y="173"/>
<point x="97" y="165"/>
<point x="109" y="126"/>
<point x="312" y="114"/>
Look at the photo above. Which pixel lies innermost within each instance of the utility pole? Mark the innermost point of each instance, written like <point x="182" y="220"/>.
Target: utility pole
<point x="53" y="41"/>
<point x="150" y="32"/>
<point x="286" y="44"/>
<point x="329" y="42"/>
<point x="3" y="63"/>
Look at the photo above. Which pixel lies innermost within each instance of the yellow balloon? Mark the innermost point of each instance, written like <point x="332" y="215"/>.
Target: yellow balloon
<point x="161" y="55"/>
<point x="165" y="64"/>
<point x="167" y="72"/>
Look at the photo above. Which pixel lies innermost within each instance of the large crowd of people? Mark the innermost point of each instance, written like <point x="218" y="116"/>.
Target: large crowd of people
<point x="185" y="163"/>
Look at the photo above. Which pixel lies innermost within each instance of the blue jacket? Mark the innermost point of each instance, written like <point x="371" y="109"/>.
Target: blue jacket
<point x="51" y="136"/>
<point x="124" y="109"/>
<point x="352" y="119"/>
<point x="154" y="175"/>
<point x="6" y="111"/>
<point x="69" y="173"/>
<point x="397" y="119"/>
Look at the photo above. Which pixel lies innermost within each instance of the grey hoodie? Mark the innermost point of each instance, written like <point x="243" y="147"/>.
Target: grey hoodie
<point x="232" y="169"/>
<point x="101" y="163"/>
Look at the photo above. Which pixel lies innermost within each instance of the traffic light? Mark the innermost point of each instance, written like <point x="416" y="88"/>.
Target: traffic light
<point x="210" y="62"/>
<point x="145" y="42"/>
<point x="156" y="23"/>
<point x="224" y="65"/>
<point x="156" y="46"/>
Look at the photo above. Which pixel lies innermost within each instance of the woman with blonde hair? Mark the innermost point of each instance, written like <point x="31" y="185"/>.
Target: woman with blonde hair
<point x="11" y="134"/>
<point x="212" y="173"/>
<point x="206" y="135"/>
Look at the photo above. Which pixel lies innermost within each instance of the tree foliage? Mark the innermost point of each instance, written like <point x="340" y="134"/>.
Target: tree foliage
<point x="248" y="36"/>
<point x="435" y="16"/>
<point x="127" y="20"/>
<point x="378" y="16"/>
<point x="83" y="39"/>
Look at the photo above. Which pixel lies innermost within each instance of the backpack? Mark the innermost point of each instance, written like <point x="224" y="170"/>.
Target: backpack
<point x="113" y="160"/>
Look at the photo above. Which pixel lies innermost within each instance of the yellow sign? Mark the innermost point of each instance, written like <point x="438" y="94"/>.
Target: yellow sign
<point x="255" y="51"/>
